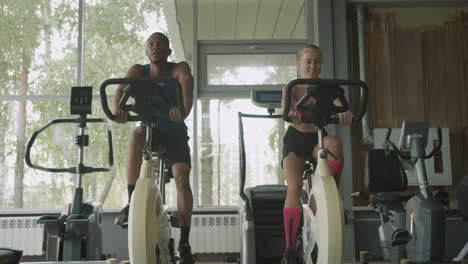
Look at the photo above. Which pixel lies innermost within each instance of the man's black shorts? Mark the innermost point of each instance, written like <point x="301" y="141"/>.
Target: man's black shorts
<point x="176" y="144"/>
<point x="302" y="144"/>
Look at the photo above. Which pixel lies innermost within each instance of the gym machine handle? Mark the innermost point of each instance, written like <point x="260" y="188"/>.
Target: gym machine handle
<point x="145" y="82"/>
<point x="439" y="145"/>
<point x="389" y="143"/>
<point x="328" y="82"/>
<point x="82" y="168"/>
<point x="242" y="159"/>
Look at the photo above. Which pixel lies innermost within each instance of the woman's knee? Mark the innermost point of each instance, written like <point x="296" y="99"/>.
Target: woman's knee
<point x="335" y="145"/>
<point x="295" y="188"/>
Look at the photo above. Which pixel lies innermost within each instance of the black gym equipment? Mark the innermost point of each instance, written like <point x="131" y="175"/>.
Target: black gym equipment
<point x="10" y="256"/>
<point x="262" y="228"/>
<point x="76" y="234"/>
<point x="417" y="231"/>
<point x="462" y="199"/>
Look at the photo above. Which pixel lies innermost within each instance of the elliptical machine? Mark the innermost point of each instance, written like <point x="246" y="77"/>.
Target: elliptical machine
<point x="416" y="232"/>
<point x="261" y="213"/>
<point x="76" y="234"/>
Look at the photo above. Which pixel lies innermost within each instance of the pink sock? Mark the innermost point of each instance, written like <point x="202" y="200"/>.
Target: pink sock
<point x="291" y="218"/>
<point x="336" y="168"/>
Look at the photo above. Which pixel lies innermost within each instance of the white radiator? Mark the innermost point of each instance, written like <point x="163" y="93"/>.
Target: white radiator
<point x="213" y="234"/>
<point x="22" y="233"/>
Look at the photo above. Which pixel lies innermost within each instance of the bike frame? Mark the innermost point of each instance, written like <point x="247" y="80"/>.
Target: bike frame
<point x="148" y="226"/>
<point x="325" y="227"/>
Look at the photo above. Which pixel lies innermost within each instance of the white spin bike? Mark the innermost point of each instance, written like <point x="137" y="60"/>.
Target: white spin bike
<point x="322" y="234"/>
<point x="149" y="230"/>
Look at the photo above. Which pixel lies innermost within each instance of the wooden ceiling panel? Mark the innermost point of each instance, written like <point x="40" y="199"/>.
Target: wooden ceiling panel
<point x="267" y="17"/>
<point x="300" y="28"/>
<point x="185" y="19"/>
<point x="240" y="19"/>
<point x="247" y="12"/>
<point x="288" y="18"/>
<point x="206" y="19"/>
<point x="225" y="15"/>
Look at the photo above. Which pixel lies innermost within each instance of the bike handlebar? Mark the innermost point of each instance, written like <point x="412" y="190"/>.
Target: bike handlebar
<point x="81" y="168"/>
<point x="141" y="87"/>
<point x="328" y="82"/>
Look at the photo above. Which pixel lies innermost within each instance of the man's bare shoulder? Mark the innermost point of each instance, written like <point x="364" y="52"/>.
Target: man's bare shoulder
<point x="182" y="67"/>
<point x="135" y="70"/>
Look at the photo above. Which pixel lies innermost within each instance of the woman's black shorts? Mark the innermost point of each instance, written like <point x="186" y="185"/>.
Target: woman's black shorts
<point x="301" y="144"/>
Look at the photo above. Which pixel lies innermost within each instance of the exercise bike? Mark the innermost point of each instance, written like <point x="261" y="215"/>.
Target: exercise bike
<point x="262" y="229"/>
<point x="416" y="232"/>
<point x="76" y="234"/>
<point x="323" y="215"/>
<point x="149" y="227"/>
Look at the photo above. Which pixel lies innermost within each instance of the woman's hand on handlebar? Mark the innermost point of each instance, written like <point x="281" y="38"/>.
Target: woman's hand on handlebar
<point x="346" y="118"/>
<point x="121" y="116"/>
<point x="176" y="115"/>
<point x="295" y="118"/>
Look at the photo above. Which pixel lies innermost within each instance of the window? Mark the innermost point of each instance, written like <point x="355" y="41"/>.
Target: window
<point x="231" y="69"/>
<point x="39" y="66"/>
<point x="251" y="69"/>
<point x="218" y="127"/>
<point x="228" y="71"/>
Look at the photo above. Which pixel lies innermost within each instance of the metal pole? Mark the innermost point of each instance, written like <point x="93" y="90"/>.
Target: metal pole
<point x="422" y="178"/>
<point x="320" y="138"/>
<point x="366" y="136"/>
<point x="81" y="34"/>
<point x="80" y="81"/>
<point x="196" y="192"/>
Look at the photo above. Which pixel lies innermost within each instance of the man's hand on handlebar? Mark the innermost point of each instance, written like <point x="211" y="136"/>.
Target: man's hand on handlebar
<point x="346" y="118"/>
<point x="121" y="116"/>
<point x="176" y="115"/>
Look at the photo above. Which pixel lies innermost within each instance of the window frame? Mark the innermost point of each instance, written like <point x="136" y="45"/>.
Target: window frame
<point x="203" y="49"/>
<point x="238" y="47"/>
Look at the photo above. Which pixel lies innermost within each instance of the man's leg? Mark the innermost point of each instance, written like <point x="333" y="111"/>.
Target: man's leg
<point x="181" y="172"/>
<point x="293" y="167"/>
<point x="134" y="160"/>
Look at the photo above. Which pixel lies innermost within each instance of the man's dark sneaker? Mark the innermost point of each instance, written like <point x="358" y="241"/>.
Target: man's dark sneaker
<point x="290" y="256"/>
<point x="122" y="218"/>
<point x="185" y="253"/>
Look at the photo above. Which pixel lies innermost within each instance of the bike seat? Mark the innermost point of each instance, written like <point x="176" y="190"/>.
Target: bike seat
<point x="381" y="198"/>
<point x="384" y="172"/>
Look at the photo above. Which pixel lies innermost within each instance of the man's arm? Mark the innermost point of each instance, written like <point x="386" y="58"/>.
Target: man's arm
<point x="121" y="116"/>
<point x="184" y="76"/>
